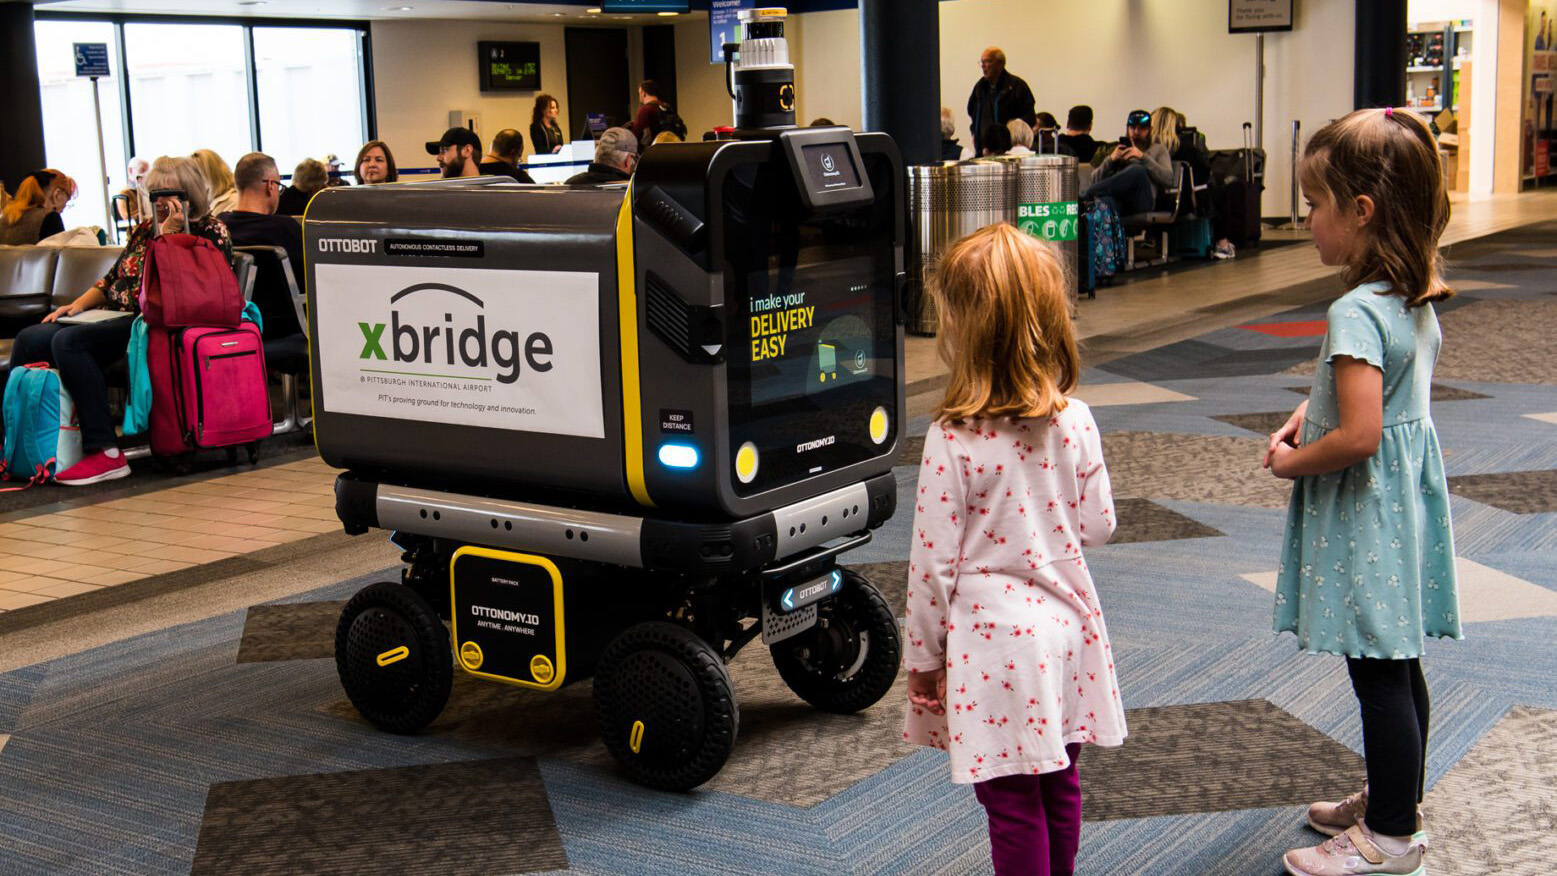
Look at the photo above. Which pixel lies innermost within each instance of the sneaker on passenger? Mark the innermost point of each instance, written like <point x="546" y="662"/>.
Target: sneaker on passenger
<point x="1224" y="250"/>
<point x="104" y="465"/>
<point x="1331" y="819"/>
<point x="1356" y="852"/>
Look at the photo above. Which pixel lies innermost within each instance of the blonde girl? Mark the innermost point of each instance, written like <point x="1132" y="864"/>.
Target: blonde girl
<point x="1010" y="668"/>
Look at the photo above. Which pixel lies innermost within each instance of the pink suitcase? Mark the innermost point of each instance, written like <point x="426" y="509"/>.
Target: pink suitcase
<point x="208" y="389"/>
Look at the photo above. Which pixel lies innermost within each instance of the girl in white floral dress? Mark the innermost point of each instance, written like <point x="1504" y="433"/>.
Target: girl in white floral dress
<point x="1010" y="668"/>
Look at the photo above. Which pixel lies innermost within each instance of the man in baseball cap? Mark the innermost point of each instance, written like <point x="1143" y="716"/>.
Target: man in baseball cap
<point x="458" y="151"/>
<point x="1136" y="170"/>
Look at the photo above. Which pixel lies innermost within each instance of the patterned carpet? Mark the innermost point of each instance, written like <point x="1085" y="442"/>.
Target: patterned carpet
<point x="226" y="746"/>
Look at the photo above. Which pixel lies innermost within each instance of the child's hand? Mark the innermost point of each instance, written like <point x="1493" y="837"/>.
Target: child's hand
<point x="928" y="690"/>
<point x="1288" y="434"/>
<point x="1279" y="459"/>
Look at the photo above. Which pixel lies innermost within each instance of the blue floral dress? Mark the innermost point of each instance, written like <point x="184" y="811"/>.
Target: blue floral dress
<point x="1367" y="564"/>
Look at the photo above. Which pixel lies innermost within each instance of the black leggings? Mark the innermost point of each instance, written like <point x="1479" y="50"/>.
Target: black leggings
<point x="1395" y="707"/>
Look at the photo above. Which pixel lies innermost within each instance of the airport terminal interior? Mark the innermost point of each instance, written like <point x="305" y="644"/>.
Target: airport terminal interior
<point x="277" y="654"/>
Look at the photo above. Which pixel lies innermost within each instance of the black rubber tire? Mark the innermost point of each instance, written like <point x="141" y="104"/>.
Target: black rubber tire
<point x="849" y="660"/>
<point x="252" y="448"/>
<point x="232" y="455"/>
<point x="677" y="685"/>
<point x="409" y="693"/>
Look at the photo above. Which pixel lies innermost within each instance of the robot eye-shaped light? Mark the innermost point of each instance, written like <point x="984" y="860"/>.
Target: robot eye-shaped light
<point x="682" y="456"/>
<point x="746" y="461"/>
<point x="879" y="424"/>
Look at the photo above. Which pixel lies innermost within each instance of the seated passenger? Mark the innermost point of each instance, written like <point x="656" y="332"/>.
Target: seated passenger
<point x="375" y="164"/>
<point x="503" y="160"/>
<point x="83" y="352"/>
<point x="1046" y="137"/>
<point x="224" y="194"/>
<point x="254" y="223"/>
<point x="667" y="137"/>
<point x="1133" y="174"/>
<point x="33" y="212"/>
<point x="996" y="140"/>
<point x="1185" y="144"/>
<point x="951" y="150"/>
<point x="1078" y="133"/>
<point x="308" y="179"/>
<point x="1021" y="137"/>
<point x="616" y="156"/>
<point x="130" y="205"/>
<point x="458" y="152"/>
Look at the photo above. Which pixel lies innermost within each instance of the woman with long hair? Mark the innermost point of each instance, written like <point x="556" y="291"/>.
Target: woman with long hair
<point x="224" y="191"/>
<point x="33" y="212"/>
<point x="545" y="134"/>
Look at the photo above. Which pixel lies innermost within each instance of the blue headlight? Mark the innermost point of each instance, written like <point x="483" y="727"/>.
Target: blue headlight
<point x="683" y="456"/>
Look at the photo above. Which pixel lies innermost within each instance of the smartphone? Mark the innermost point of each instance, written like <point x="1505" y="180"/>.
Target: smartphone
<point x="183" y="204"/>
<point x="1124" y="140"/>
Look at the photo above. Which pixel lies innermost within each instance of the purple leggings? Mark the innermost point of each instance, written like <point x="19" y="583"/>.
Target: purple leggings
<point x="1034" y="821"/>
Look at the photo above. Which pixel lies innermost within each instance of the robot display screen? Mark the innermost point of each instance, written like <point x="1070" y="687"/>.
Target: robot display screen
<point x="811" y="329"/>
<point x="812" y="349"/>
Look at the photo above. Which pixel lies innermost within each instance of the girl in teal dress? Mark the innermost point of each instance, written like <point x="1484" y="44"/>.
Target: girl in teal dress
<point x="1367" y="563"/>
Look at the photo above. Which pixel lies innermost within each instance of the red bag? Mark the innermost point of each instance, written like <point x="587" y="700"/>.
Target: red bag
<point x="208" y="388"/>
<point x="187" y="281"/>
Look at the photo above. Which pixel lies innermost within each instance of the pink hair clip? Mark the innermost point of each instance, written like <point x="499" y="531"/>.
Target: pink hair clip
<point x="1389" y="112"/>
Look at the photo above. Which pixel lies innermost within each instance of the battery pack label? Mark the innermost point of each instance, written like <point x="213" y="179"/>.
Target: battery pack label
<point x="516" y="350"/>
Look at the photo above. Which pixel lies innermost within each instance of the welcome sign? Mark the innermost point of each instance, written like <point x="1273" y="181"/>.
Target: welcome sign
<point x="517" y="350"/>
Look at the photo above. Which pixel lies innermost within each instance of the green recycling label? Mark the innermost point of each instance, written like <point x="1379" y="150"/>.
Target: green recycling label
<point x="1060" y="220"/>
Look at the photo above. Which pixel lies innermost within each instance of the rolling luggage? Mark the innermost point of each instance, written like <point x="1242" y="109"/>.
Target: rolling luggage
<point x="1243" y="195"/>
<point x="208" y="389"/>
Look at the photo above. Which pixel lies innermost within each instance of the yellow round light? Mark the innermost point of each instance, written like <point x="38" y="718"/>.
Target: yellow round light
<point x="878" y="425"/>
<point x="746" y="462"/>
<point x="541" y="669"/>
<point x="471" y="656"/>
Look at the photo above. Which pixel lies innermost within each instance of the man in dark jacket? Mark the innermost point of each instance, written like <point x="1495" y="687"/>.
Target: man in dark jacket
<point x="503" y="160"/>
<point x="998" y="97"/>
<point x="616" y="156"/>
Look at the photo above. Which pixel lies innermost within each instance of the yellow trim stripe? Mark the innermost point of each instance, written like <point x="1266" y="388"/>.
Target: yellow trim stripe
<point x="394" y="655"/>
<point x="635" y="738"/>
<point x="627" y="329"/>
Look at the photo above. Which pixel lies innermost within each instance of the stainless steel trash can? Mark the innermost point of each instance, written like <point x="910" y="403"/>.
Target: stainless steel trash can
<point x="947" y="202"/>
<point x="1045" y="191"/>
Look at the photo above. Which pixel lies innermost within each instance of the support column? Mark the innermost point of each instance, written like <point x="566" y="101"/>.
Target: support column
<point x="900" y="43"/>
<point x="21" y="148"/>
<point x="1380" y="54"/>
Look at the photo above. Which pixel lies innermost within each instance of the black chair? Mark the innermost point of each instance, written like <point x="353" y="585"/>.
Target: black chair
<point x="285" y="354"/>
<point x="1172" y="204"/>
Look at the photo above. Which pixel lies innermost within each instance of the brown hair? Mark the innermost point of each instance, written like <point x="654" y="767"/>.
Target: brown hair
<point x="1005" y="332"/>
<point x="393" y="174"/>
<point x="1391" y="157"/>
<point x="543" y="103"/>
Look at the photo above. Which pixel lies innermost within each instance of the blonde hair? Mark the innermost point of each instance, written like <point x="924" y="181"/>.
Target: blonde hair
<point x="1390" y="157"/>
<point x="666" y="137"/>
<point x="217" y="174"/>
<point x="1005" y="332"/>
<point x="31" y="193"/>
<point x="181" y="173"/>
<point x="1165" y="127"/>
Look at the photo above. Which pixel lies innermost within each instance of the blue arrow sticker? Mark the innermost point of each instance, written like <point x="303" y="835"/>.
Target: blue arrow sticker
<point x="789" y="599"/>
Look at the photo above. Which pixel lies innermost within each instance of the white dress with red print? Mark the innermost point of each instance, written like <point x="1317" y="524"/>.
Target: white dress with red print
<point x="999" y="594"/>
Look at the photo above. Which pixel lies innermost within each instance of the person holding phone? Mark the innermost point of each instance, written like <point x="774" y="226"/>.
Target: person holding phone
<point x="1136" y="170"/>
<point x="82" y="352"/>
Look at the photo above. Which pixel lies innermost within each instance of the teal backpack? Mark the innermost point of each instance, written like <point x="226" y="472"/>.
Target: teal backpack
<point x="42" y="437"/>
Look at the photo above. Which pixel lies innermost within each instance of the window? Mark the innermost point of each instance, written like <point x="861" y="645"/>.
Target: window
<point x="69" y="130"/>
<point x="310" y="94"/>
<point x="187" y="85"/>
<point x="188" y="89"/>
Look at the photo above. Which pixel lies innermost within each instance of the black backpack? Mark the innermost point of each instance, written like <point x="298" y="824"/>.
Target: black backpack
<point x="665" y="120"/>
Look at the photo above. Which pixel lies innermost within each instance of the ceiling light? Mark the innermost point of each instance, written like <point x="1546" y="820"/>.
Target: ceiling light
<point x="667" y="14"/>
<point x="398" y="8"/>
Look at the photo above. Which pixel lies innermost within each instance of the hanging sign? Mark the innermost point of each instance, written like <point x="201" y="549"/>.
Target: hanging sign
<point x="724" y="25"/>
<point x="1258" y="16"/>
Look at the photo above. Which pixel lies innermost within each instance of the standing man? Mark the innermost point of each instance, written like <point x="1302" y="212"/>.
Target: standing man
<point x="254" y="223"/>
<point x="650" y="108"/>
<point x="503" y="160"/>
<point x="998" y="97"/>
<point x="458" y="151"/>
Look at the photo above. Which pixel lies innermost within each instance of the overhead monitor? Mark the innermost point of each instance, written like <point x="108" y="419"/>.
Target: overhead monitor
<point x="509" y="66"/>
